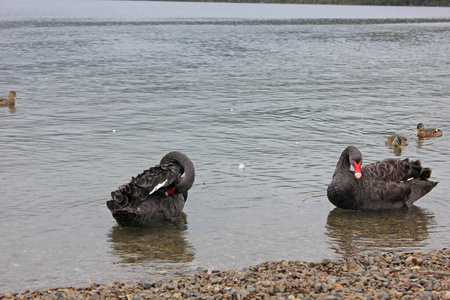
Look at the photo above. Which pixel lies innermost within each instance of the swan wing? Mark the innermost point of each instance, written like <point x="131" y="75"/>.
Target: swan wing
<point x="395" y="170"/>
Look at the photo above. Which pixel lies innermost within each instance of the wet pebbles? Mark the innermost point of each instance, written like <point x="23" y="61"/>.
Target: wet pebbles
<point x="384" y="276"/>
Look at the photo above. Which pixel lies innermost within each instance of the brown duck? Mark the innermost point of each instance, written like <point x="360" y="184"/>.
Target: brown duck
<point x="396" y="140"/>
<point x="11" y="99"/>
<point x="423" y="132"/>
<point x="156" y="195"/>
<point x="387" y="184"/>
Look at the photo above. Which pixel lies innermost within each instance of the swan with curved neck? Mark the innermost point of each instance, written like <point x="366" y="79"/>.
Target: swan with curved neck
<point x="387" y="184"/>
<point x="155" y="195"/>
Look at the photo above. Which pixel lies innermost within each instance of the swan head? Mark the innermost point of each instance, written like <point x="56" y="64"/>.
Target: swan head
<point x="355" y="159"/>
<point x="351" y="156"/>
<point x="187" y="179"/>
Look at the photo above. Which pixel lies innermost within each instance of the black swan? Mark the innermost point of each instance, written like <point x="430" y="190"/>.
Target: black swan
<point x="387" y="184"/>
<point x="10" y="100"/>
<point x="423" y="132"/>
<point x="156" y="195"/>
<point x="396" y="140"/>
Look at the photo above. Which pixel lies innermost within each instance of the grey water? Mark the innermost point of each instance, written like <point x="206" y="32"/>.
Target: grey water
<point x="108" y="87"/>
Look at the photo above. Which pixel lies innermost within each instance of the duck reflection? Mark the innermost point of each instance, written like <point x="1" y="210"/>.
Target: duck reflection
<point x="12" y="109"/>
<point x="396" y="150"/>
<point x="354" y="231"/>
<point x="163" y="243"/>
<point x="396" y="142"/>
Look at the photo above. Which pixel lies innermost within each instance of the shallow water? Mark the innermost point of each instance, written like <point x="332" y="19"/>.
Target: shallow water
<point x="107" y="88"/>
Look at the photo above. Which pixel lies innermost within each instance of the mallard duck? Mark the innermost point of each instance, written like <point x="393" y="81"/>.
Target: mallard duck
<point x="396" y="140"/>
<point x="387" y="184"/>
<point x="427" y="132"/>
<point x="10" y="100"/>
<point x="156" y="195"/>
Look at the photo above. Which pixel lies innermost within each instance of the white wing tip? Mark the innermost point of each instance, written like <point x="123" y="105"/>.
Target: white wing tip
<point x="158" y="186"/>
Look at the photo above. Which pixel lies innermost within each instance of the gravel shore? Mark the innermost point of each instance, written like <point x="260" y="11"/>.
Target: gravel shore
<point x="421" y="275"/>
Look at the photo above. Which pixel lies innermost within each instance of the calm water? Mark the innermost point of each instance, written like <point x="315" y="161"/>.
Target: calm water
<point x="108" y="88"/>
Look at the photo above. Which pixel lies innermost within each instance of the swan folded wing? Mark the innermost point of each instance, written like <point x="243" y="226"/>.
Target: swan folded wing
<point x="395" y="170"/>
<point x="158" y="177"/>
<point x="171" y="165"/>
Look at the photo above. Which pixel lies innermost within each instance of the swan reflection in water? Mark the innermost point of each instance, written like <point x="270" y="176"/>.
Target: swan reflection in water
<point x="163" y="243"/>
<point x="355" y="231"/>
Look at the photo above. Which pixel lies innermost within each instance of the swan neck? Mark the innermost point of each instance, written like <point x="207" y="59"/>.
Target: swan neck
<point x="187" y="180"/>
<point x="344" y="161"/>
<point x="348" y="156"/>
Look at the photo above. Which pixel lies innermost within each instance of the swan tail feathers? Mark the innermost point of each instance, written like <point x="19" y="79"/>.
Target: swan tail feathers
<point x="426" y="173"/>
<point x="418" y="172"/>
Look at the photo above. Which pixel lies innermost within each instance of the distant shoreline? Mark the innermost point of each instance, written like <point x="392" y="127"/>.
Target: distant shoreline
<point x="439" y="3"/>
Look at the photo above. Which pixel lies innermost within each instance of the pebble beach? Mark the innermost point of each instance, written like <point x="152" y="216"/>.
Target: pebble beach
<point x="416" y="275"/>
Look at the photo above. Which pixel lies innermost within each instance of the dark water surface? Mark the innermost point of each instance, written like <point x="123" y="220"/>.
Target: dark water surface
<point x="107" y="88"/>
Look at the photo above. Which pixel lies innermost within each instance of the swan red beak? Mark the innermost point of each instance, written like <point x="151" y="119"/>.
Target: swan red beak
<point x="357" y="167"/>
<point x="170" y="192"/>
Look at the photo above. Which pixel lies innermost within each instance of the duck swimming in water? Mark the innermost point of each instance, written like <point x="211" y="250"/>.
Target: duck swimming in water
<point x="396" y="140"/>
<point x="156" y="195"/>
<point x="10" y="100"/>
<point x="387" y="184"/>
<point x="423" y="132"/>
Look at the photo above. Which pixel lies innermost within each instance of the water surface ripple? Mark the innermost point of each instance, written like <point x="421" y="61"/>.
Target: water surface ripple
<point x="107" y="88"/>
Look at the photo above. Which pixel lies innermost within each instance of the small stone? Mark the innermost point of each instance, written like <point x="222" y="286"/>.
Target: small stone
<point x="303" y="291"/>
<point x="382" y="295"/>
<point x="446" y="296"/>
<point x="331" y="281"/>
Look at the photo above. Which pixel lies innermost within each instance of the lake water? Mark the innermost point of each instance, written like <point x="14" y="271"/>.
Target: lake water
<point x="108" y="87"/>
